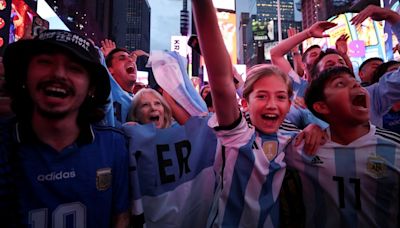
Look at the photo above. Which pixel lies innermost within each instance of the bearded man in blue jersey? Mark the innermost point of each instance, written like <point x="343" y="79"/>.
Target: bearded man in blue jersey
<point x="63" y="169"/>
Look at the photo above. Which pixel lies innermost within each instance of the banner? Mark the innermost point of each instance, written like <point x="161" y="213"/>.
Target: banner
<point x="227" y="25"/>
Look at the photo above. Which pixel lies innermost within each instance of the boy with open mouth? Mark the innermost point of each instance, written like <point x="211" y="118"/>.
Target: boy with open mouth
<point x="352" y="180"/>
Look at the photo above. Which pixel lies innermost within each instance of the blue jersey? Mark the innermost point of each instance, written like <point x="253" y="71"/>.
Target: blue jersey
<point x="250" y="168"/>
<point x="391" y="121"/>
<point x="383" y="95"/>
<point x="299" y="116"/>
<point x="8" y="197"/>
<point x="302" y="117"/>
<point x="121" y="103"/>
<point x="84" y="185"/>
<point x="299" y="85"/>
<point x="175" y="170"/>
<point x="354" y="185"/>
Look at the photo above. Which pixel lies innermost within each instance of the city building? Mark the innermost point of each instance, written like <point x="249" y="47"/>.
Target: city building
<point x="310" y="12"/>
<point x="247" y="46"/>
<point x="125" y="22"/>
<point x="317" y="10"/>
<point x="259" y="31"/>
<point x="137" y="35"/>
<point x="267" y="10"/>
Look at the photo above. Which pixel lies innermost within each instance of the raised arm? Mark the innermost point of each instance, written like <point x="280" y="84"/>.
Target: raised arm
<point x="341" y="47"/>
<point x="218" y="62"/>
<point x="376" y="13"/>
<point x="387" y="91"/>
<point x="179" y="113"/>
<point x="297" y="63"/>
<point x="279" y="51"/>
<point x="107" y="46"/>
<point x="138" y="53"/>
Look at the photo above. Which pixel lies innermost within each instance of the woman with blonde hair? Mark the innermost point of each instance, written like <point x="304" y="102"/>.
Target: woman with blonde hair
<point x="149" y="106"/>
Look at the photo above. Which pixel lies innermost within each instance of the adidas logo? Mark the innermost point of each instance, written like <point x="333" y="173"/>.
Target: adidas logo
<point x="55" y="176"/>
<point x="316" y="160"/>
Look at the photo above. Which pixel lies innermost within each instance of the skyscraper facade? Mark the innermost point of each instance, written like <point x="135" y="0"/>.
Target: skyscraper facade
<point x="125" y="22"/>
<point x="247" y="48"/>
<point x="87" y="17"/>
<point x="317" y="10"/>
<point x="138" y="28"/>
<point x="268" y="9"/>
<point x="309" y="10"/>
<point x="263" y="25"/>
<point x="137" y="34"/>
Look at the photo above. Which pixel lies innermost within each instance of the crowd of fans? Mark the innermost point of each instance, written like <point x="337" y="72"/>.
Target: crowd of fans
<point x="83" y="144"/>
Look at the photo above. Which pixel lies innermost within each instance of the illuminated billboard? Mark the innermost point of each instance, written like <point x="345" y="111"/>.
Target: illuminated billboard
<point x="263" y="30"/>
<point x="227" y="25"/>
<point x="365" y="41"/>
<point x="224" y="4"/>
<point x="25" y="23"/>
<point x="19" y="20"/>
<point x="5" y="9"/>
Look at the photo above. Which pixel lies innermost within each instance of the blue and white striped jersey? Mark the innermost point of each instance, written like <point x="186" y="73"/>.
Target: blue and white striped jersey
<point x="175" y="170"/>
<point x="250" y="168"/>
<point x="354" y="185"/>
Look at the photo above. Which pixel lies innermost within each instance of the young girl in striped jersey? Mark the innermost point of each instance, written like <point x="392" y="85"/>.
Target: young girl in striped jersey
<point x="250" y="166"/>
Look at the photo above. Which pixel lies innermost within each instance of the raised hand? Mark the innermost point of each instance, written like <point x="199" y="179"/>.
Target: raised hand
<point x="107" y="46"/>
<point x="138" y="53"/>
<point x="341" y="43"/>
<point x="317" y="30"/>
<point x="376" y="13"/>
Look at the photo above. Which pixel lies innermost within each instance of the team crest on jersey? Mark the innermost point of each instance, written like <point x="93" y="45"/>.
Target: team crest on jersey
<point x="270" y="149"/>
<point x="376" y="166"/>
<point x="103" y="179"/>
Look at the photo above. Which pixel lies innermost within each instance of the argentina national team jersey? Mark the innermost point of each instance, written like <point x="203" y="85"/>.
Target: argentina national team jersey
<point x="250" y="168"/>
<point x="355" y="185"/>
<point x="175" y="170"/>
<point x="299" y="85"/>
<point x="121" y="101"/>
<point x="84" y="185"/>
